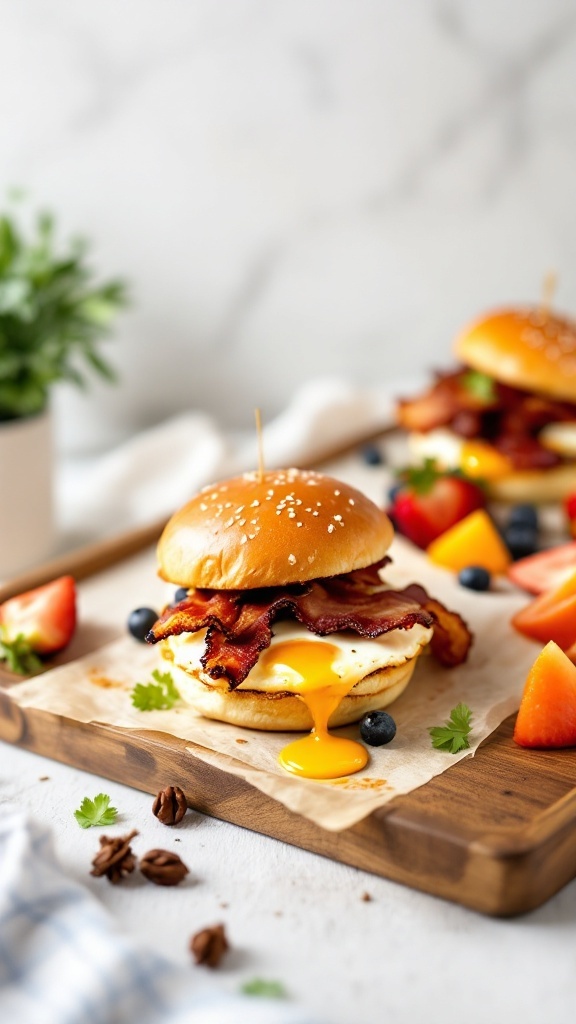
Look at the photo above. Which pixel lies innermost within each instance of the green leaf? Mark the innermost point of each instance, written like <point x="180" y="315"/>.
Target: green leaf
<point x="265" y="989"/>
<point x="158" y="696"/>
<point x="95" y="812"/>
<point x="421" y="479"/>
<point x="480" y="385"/>
<point x="453" y="735"/>
<point x="54" y="315"/>
<point x="18" y="655"/>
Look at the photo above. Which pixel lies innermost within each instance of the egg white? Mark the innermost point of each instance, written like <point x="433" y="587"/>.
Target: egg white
<point x="442" y="445"/>
<point x="357" y="656"/>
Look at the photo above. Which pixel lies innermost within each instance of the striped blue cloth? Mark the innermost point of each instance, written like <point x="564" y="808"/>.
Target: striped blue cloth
<point x="64" y="961"/>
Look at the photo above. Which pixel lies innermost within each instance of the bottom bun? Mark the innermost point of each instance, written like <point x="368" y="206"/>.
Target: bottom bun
<point x="284" y="712"/>
<point x="539" y="487"/>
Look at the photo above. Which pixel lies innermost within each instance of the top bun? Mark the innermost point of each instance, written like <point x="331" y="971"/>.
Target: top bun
<point x="288" y="527"/>
<point x="527" y="348"/>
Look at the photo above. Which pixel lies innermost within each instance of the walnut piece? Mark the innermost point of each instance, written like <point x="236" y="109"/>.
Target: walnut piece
<point x="115" y="858"/>
<point x="209" y="945"/>
<point x="163" y="867"/>
<point x="170" y="805"/>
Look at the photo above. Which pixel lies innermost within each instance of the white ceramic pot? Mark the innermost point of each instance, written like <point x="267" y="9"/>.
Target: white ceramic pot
<point x="27" y="528"/>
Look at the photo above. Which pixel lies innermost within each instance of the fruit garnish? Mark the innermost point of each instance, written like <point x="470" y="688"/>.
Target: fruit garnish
<point x="19" y="655"/>
<point x="263" y="987"/>
<point x="546" y="570"/>
<point x="453" y="735"/>
<point x="482" y="461"/>
<point x="377" y="728"/>
<point x="521" y="540"/>
<point x="524" y="515"/>
<point x="95" y="812"/>
<point x="44" y="617"/>
<point x="157" y="696"/>
<point x="431" y="501"/>
<point x="140" y="622"/>
<point x="547" y="714"/>
<point x="474" y="539"/>
<point x="474" y="577"/>
<point x="551" y="615"/>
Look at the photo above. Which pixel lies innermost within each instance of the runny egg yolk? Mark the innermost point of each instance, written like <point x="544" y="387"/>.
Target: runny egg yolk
<point x="318" y="755"/>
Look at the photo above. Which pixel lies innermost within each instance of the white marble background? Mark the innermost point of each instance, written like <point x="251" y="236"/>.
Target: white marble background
<point x="293" y="188"/>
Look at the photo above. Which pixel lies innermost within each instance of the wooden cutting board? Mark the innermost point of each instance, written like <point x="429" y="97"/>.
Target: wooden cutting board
<point x="496" y="832"/>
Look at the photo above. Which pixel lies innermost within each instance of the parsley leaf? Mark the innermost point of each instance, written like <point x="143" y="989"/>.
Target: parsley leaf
<point x="95" y="812"/>
<point x="480" y="385"/>
<point x="156" y="696"/>
<point x="266" y="989"/>
<point x="18" y="655"/>
<point x="453" y="735"/>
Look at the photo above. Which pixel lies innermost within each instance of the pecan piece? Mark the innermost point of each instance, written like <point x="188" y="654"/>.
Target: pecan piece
<point x="163" y="867"/>
<point x="170" y="805"/>
<point x="209" y="945"/>
<point x="114" y="858"/>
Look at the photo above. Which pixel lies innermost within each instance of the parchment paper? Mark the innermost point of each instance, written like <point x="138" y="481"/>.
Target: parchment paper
<point x="96" y="688"/>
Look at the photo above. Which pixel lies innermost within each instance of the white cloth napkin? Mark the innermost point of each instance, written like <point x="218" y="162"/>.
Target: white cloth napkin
<point x="64" y="961"/>
<point x="158" y="470"/>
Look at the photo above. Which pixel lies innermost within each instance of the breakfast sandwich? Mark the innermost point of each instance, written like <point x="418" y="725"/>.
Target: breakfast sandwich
<point x="287" y="624"/>
<point x="508" y="413"/>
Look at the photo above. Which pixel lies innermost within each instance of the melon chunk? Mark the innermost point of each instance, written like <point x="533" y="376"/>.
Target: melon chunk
<point x="473" y="541"/>
<point x="547" y="714"/>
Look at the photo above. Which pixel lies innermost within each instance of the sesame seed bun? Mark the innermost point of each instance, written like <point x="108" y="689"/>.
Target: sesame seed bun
<point x="287" y="527"/>
<point x="529" y="349"/>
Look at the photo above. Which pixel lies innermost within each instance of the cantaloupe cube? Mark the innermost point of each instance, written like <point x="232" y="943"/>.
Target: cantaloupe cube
<point x="551" y="616"/>
<point x="473" y="541"/>
<point x="547" y="715"/>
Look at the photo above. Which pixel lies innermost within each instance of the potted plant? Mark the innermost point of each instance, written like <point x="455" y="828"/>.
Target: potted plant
<point x="53" y="317"/>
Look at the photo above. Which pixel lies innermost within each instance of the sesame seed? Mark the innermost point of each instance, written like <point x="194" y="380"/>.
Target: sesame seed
<point x="253" y="522"/>
<point x="292" y="559"/>
<point x="298" y="524"/>
<point x="311" y="559"/>
<point x="291" y="514"/>
<point x="241" y="522"/>
<point x="228" y="522"/>
<point x="337" y="493"/>
<point x="203" y="507"/>
<point x="228" y="504"/>
<point x="318" y="504"/>
<point x="307" y="509"/>
<point x="251" y="536"/>
<point x="315" y="513"/>
<point x="239" y="509"/>
<point x="337" y="518"/>
<point x="331" y="527"/>
<point x="255" y="503"/>
<point x="243" y="538"/>
<point x="350" y="501"/>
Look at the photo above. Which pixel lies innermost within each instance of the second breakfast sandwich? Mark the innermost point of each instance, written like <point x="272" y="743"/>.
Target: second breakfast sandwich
<point x="274" y="562"/>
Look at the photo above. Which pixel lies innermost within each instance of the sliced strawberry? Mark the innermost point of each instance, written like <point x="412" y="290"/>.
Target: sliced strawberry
<point x="45" y="617"/>
<point x="547" y="714"/>
<point x="545" y="571"/>
<point x="432" y="501"/>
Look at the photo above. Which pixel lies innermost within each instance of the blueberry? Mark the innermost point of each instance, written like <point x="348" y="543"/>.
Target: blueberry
<point x="520" y="540"/>
<point x="394" y="492"/>
<point x="140" y="622"/>
<point x="372" y="455"/>
<point x="377" y="728"/>
<point x="180" y="595"/>
<point x="523" y="515"/>
<point x="475" y="577"/>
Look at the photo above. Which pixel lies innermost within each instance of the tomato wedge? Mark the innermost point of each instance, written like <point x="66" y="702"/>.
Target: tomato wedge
<point x="545" y="571"/>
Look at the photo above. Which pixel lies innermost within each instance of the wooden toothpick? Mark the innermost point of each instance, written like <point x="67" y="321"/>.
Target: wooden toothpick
<point x="260" y="445"/>
<point x="549" y="285"/>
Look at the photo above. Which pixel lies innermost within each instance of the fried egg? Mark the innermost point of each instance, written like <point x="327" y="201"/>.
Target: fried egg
<point x="320" y="671"/>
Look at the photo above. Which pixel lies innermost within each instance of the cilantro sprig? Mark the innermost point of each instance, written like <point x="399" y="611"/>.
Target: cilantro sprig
<point x="18" y="655"/>
<point x="95" y="812"/>
<point x="453" y="735"/>
<point x="479" y="385"/>
<point x="263" y="988"/>
<point x="158" y="696"/>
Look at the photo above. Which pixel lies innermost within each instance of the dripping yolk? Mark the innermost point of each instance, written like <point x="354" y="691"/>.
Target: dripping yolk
<point x="312" y="677"/>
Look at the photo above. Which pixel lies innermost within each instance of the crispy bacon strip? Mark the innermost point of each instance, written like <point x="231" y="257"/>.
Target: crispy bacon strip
<point x="451" y="640"/>
<point x="511" y="420"/>
<point x="239" y="622"/>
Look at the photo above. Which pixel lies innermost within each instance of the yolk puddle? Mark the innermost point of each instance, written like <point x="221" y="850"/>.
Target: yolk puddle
<point x="319" y="755"/>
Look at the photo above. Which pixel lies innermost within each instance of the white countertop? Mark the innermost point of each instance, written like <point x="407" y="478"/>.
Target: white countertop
<point x="298" y="918"/>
